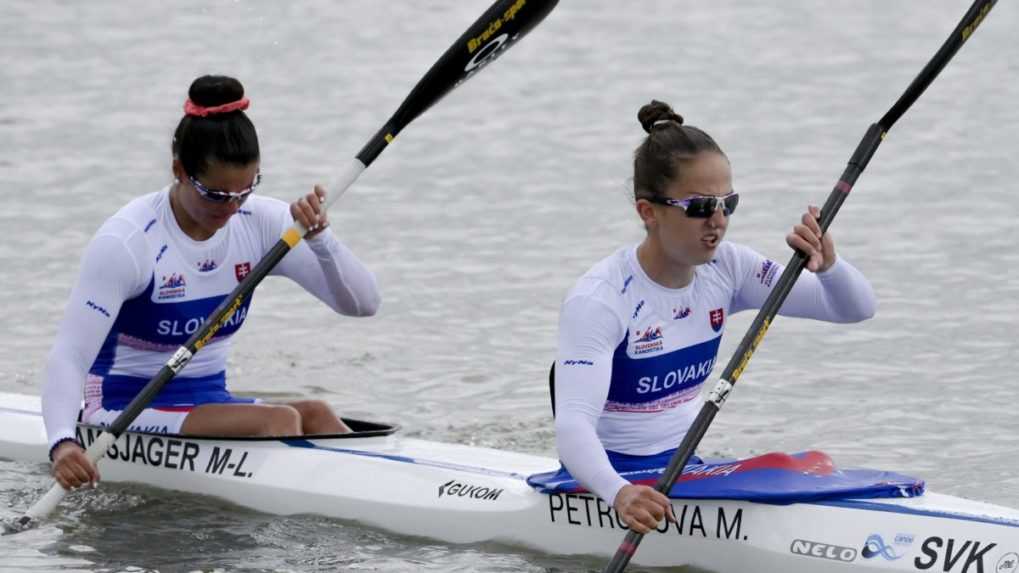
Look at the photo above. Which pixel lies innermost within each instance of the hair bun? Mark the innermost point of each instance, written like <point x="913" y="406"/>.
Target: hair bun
<point x="210" y="91"/>
<point x="655" y="112"/>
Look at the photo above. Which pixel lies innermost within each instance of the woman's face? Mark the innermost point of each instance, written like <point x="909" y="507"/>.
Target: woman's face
<point x="686" y="240"/>
<point x="197" y="200"/>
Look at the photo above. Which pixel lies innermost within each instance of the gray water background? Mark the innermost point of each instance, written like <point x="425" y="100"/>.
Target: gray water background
<point x="487" y="208"/>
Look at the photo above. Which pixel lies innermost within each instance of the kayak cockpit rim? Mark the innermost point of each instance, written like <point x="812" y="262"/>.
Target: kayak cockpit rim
<point x="360" y="429"/>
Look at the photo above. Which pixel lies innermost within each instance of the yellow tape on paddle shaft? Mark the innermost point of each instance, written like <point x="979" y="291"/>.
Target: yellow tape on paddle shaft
<point x="291" y="237"/>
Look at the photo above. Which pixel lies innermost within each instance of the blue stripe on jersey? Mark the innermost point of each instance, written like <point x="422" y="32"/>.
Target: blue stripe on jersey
<point x="159" y="327"/>
<point x="643" y="380"/>
<point x="172" y="323"/>
<point x="118" y="391"/>
<point x="107" y="354"/>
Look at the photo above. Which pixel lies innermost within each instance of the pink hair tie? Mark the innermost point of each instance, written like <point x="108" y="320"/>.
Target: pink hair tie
<point x="192" y="108"/>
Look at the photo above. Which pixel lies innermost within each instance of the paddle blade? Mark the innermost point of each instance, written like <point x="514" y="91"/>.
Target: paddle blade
<point x="42" y="508"/>
<point x="23" y="523"/>
<point x="501" y="26"/>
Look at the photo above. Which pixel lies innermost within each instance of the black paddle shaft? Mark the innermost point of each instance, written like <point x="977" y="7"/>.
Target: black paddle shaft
<point x="493" y="33"/>
<point x="755" y="334"/>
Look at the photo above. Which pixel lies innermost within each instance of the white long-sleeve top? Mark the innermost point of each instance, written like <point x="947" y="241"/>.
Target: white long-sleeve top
<point x="633" y="354"/>
<point x="145" y="287"/>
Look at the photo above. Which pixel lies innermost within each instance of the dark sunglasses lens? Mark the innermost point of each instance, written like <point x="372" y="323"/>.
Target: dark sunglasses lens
<point x="704" y="207"/>
<point x="700" y="207"/>
<point x="217" y="196"/>
<point x="730" y="204"/>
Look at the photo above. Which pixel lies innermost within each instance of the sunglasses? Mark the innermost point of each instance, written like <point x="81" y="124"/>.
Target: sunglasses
<point x="701" y="207"/>
<point x="221" y="196"/>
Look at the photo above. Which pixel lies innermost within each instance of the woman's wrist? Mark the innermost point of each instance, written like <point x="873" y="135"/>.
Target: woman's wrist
<point x="60" y="442"/>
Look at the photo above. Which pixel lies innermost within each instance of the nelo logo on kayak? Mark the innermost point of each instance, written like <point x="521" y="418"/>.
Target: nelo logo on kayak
<point x="822" y="550"/>
<point x="454" y="488"/>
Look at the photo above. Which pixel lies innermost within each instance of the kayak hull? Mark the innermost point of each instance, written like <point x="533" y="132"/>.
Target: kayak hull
<point x="463" y="495"/>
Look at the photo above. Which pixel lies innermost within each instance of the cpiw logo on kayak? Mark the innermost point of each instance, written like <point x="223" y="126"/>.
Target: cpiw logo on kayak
<point x="454" y="488"/>
<point x="875" y="546"/>
<point x="822" y="550"/>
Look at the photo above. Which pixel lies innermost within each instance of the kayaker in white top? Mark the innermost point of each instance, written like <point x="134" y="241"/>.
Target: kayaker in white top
<point x="157" y="268"/>
<point x="640" y="331"/>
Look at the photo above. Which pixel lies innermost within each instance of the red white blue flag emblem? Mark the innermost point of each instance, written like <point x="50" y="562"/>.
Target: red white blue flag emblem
<point x="717" y="319"/>
<point x="241" y="270"/>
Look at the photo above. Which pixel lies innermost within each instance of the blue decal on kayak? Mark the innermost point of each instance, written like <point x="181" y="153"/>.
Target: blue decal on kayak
<point x="876" y="546"/>
<point x="772" y="478"/>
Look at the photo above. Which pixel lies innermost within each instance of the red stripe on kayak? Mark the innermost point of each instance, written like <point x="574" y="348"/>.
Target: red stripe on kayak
<point x="812" y="462"/>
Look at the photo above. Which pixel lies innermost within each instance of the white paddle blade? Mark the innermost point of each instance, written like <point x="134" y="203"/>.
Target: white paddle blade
<point x="49" y="502"/>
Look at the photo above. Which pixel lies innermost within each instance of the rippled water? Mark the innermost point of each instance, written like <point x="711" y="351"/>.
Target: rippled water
<point x="486" y="209"/>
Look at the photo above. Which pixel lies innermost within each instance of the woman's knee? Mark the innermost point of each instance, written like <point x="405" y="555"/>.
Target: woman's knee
<point x="312" y="410"/>
<point x="282" y="420"/>
<point x="317" y="417"/>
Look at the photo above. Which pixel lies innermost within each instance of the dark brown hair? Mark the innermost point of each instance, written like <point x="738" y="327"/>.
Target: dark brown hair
<point x="658" y="160"/>
<point x="223" y="137"/>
